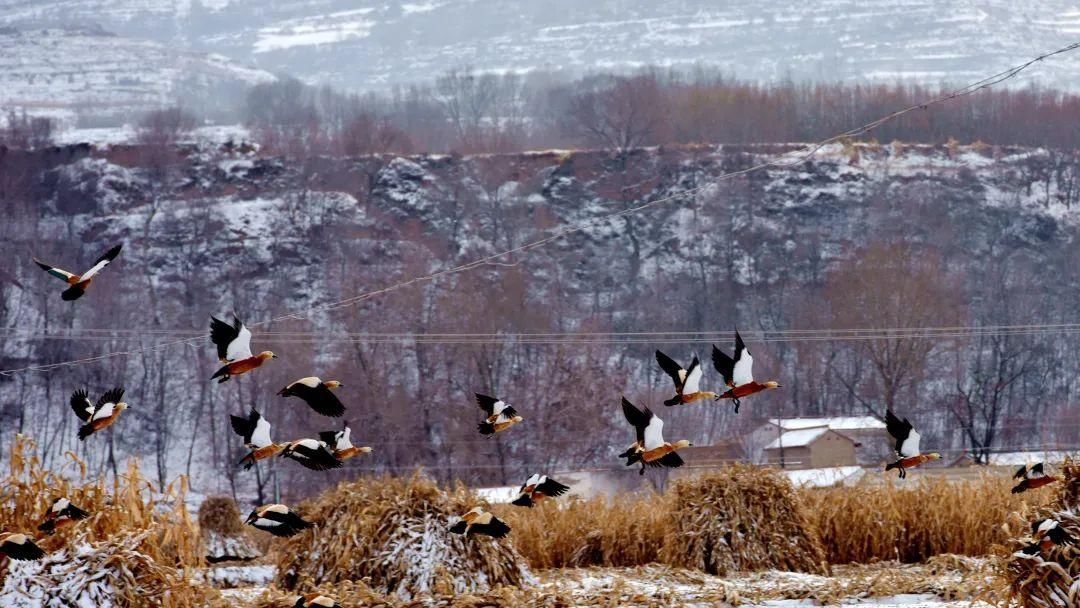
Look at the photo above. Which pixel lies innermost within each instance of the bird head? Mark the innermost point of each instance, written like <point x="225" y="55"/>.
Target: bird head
<point x="365" y="450"/>
<point x="517" y="419"/>
<point x="121" y="406"/>
<point x="772" y="384"/>
<point x="933" y="456"/>
<point x="333" y="384"/>
<point x="267" y="354"/>
<point x="682" y="443"/>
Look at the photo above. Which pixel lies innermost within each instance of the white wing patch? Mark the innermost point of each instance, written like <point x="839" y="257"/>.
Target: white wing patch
<point x="60" y="505"/>
<point x="343" y="440"/>
<point x="654" y="433"/>
<point x="266" y="522"/>
<point x="96" y="269"/>
<point x="239" y="348"/>
<point x="260" y="437"/>
<point x="693" y="381"/>
<point x="104" y="411"/>
<point x="744" y="369"/>
<point x="310" y="381"/>
<point x="910" y="447"/>
<point x="498" y="407"/>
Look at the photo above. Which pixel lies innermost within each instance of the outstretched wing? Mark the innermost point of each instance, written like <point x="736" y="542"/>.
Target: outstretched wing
<point x="495" y="528"/>
<point x="101" y="262"/>
<point x="654" y="431"/>
<point x="693" y="378"/>
<point x="1021" y="472"/>
<point x="636" y="418"/>
<point x="59" y="273"/>
<point x="552" y="488"/>
<point x="1036" y="471"/>
<point x="907" y="439"/>
<point x="671" y="368"/>
<point x="244" y="427"/>
<point x="743" y="370"/>
<point x="114" y="396"/>
<point x="233" y="341"/>
<point x="724" y="365"/>
<point x="486" y="403"/>
<point x="80" y="404"/>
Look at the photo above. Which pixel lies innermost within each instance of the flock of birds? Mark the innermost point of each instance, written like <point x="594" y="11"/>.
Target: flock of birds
<point x="331" y="448"/>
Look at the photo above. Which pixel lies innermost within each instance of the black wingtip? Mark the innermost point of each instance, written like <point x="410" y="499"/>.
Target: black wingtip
<point x="486" y="428"/>
<point x="523" y="501"/>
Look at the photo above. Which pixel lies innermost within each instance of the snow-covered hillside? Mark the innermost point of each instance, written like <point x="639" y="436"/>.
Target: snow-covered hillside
<point x="63" y="72"/>
<point x="373" y="43"/>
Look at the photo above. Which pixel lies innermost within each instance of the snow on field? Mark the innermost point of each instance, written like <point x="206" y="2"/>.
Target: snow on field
<point x="821" y="478"/>
<point x="500" y="495"/>
<point x="233" y="577"/>
<point x="104" y="137"/>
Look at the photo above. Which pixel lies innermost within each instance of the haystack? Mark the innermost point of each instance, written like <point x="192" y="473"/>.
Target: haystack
<point x="107" y="574"/>
<point x="742" y="518"/>
<point x="1050" y="580"/>
<point x="394" y="535"/>
<point x="223" y="531"/>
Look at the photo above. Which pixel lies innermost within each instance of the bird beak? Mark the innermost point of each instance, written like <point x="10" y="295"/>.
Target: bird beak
<point x="273" y="356"/>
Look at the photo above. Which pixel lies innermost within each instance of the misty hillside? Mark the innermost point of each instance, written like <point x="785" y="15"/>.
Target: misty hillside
<point x="988" y="234"/>
<point x="74" y="72"/>
<point x="367" y="44"/>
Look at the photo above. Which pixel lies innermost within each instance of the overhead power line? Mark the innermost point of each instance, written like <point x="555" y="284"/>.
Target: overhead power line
<point x="784" y="160"/>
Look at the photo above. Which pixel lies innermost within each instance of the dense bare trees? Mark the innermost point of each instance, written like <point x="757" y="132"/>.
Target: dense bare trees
<point x="467" y="111"/>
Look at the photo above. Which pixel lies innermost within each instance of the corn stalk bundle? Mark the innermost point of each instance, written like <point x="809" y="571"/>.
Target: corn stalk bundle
<point x="107" y="574"/>
<point x="394" y="534"/>
<point x="131" y="503"/>
<point x="1050" y="579"/>
<point x="740" y="519"/>
<point x="223" y="531"/>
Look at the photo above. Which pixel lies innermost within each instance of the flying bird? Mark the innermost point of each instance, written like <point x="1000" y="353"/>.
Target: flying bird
<point x="538" y="487"/>
<point x="20" y="547"/>
<point x="500" y="415"/>
<point x="479" y="521"/>
<point x="278" y="520"/>
<point x="907" y="445"/>
<point x="234" y="349"/>
<point x="97" y="416"/>
<point x="1031" y="477"/>
<point x="687" y="381"/>
<point x="1047" y="533"/>
<point x="256" y="433"/>
<point x="313" y="454"/>
<point x="78" y="283"/>
<point x="341" y="444"/>
<point x="317" y="394"/>
<point x="738" y="373"/>
<point x="650" y="448"/>
<point x="316" y="600"/>
<point x="62" y="513"/>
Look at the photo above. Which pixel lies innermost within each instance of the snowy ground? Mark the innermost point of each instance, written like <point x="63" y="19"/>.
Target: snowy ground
<point x="908" y="586"/>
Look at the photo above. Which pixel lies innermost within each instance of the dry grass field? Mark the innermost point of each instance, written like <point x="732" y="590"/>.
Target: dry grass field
<point x="739" y="536"/>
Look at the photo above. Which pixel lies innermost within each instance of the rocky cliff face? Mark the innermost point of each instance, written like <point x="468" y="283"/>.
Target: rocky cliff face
<point x="209" y="232"/>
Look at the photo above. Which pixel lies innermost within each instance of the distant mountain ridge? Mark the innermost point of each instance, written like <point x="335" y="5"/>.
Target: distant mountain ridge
<point x="367" y="44"/>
